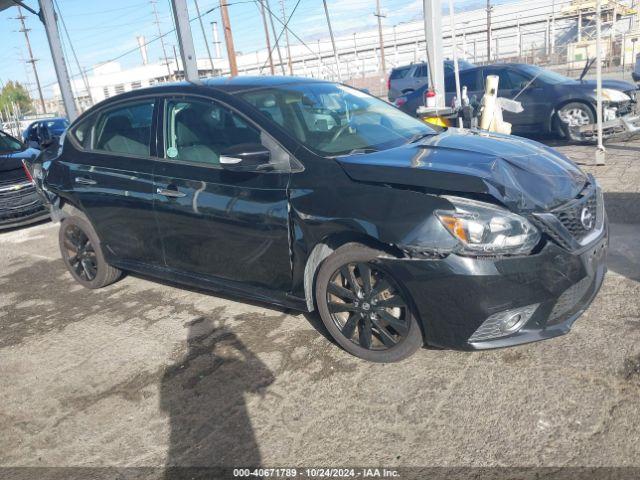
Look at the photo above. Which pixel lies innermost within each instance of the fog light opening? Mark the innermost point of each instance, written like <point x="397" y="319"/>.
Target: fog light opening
<point x="504" y="323"/>
<point x="512" y="323"/>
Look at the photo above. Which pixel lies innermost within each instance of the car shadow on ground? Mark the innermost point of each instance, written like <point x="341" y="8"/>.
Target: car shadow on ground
<point x="204" y="394"/>
<point x="623" y="210"/>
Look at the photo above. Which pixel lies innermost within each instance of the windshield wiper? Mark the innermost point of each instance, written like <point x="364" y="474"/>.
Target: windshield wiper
<point x="419" y="136"/>
<point x="362" y="151"/>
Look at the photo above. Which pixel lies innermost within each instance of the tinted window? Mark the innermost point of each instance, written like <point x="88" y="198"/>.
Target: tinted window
<point x="503" y="75"/>
<point x="468" y="79"/>
<point x="334" y="119"/>
<point x="518" y="80"/>
<point x="8" y="143"/>
<point x="267" y="104"/>
<point x="200" y="131"/>
<point x="421" y="71"/>
<point x="125" y="130"/>
<point x="83" y="132"/>
<point x="397" y="73"/>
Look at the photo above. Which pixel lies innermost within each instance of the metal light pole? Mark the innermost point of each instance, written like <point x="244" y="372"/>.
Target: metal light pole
<point x="600" y="152"/>
<point x="48" y="17"/>
<point x="185" y="40"/>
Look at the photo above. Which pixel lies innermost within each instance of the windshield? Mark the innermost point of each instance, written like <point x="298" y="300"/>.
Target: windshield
<point x="57" y="124"/>
<point x="9" y="144"/>
<point x="332" y="119"/>
<point x="546" y="76"/>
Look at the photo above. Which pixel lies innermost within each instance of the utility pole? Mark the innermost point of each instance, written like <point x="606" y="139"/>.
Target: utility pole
<point x="489" y="8"/>
<point x="48" y="17"/>
<point x="228" y="38"/>
<point x="31" y="60"/>
<point x="286" y="37"/>
<point x="185" y="40"/>
<point x="164" y="50"/>
<point x="383" y="65"/>
<point x="204" y="35"/>
<point x="333" y="42"/>
<point x="266" y="35"/>
<point x="275" y="36"/>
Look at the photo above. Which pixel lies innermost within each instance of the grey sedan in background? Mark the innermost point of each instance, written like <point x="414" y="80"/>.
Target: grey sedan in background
<point x="552" y="103"/>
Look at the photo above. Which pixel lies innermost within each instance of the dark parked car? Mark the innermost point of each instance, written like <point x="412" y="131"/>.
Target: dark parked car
<point x="312" y="195"/>
<point x="19" y="203"/>
<point x="41" y="132"/>
<point x="550" y="100"/>
<point x="408" y="78"/>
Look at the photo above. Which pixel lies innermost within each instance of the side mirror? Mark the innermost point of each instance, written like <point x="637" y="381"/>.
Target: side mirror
<point x="245" y="156"/>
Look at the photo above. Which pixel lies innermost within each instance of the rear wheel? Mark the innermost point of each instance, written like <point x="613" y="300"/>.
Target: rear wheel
<point x="364" y="308"/>
<point x="571" y="117"/>
<point x="82" y="254"/>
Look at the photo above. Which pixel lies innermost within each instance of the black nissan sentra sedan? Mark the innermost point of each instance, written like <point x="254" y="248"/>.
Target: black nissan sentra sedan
<point x="313" y="195"/>
<point x="19" y="202"/>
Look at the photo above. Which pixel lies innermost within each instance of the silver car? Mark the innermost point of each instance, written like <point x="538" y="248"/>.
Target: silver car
<point x="408" y="78"/>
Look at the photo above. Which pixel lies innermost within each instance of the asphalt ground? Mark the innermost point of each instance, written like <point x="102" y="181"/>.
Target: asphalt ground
<point x="145" y="374"/>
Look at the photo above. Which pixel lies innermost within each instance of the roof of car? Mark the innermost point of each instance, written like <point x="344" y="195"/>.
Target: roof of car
<point x="227" y="85"/>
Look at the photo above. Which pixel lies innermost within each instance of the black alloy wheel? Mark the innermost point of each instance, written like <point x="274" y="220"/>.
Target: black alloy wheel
<point x="81" y="256"/>
<point x="82" y="253"/>
<point x="364" y="308"/>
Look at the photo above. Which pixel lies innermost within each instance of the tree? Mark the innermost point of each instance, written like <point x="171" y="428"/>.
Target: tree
<point x="16" y="93"/>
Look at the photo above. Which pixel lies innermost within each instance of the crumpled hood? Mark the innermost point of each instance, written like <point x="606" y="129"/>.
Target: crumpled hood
<point x="12" y="161"/>
<point x="522" y="174"/>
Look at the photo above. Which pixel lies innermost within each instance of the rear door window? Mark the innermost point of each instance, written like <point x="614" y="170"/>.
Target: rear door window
<point x="398" y="73"/>
<point x="469" y="79"/>
<point x="125" y="129"/>
<point x="503" y="75"/>
<point x="421" y="71"/>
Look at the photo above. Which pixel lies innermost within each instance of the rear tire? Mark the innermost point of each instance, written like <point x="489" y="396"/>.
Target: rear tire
<point x="82" y="254"/>
<point x="366" y="310"/>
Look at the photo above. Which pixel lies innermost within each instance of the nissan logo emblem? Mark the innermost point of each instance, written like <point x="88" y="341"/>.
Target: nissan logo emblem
<point x="586" y="218"/>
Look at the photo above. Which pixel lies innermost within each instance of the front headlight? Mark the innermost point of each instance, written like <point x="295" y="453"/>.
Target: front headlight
<point x="614" y="96"/>
<point x="485" y="229"/>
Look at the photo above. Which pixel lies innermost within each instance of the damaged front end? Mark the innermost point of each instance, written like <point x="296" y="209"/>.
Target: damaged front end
<point x="620" y="118"/>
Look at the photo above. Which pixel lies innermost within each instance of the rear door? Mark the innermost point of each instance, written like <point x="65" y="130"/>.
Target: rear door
<point x="111" y="173"/>
<point x="215" y="222"/>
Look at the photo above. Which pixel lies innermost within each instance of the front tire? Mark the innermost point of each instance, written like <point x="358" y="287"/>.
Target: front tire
<point x="571" y="117"/>
<point x="365" y="309"/>
<point x="82" y="254"/>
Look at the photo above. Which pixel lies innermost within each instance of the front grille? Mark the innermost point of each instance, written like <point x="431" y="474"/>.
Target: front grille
<point x="571" y="217"/>
<point x="572" y="224"/>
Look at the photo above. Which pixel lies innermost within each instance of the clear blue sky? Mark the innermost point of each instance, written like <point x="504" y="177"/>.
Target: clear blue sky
<point x="101" y="30"/>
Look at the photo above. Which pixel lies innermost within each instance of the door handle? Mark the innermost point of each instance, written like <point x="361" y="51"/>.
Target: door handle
<point x="170" y="193"/>
<point x="85" y="181"/>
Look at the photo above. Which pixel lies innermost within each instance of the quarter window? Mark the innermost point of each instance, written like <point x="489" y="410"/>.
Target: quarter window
<point x="125" y="130"/>
<point x="200" y="131"/>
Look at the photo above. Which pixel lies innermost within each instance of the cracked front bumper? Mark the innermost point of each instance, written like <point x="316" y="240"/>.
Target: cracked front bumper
<point x="454" y="296"/>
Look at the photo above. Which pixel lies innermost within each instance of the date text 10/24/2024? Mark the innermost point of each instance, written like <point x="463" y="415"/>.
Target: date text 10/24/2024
<point x="292" y="473"/>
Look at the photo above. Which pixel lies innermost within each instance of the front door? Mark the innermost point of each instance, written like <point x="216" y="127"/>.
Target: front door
<point x="112" y="179"/>
<point x="217" y="222"/>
